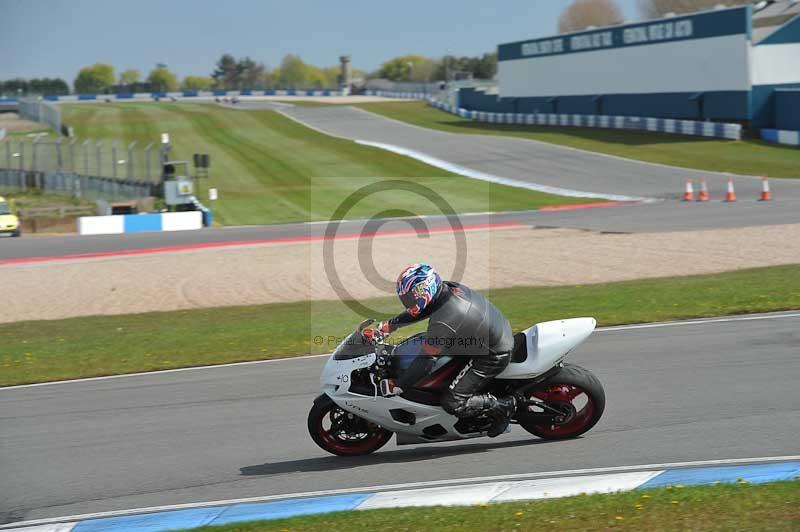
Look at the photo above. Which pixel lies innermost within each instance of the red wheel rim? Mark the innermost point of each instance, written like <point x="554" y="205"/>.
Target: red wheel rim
<point x="570" y="399"/>
<point x="345" y="441"/>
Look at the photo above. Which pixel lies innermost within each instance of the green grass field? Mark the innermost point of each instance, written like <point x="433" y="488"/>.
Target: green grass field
<point x="269" y="169"/>
<point x="774" y="506"/>
<point x="39" y="351"/>
<point x="27" y="200"/>
<point x="748" y="157"/>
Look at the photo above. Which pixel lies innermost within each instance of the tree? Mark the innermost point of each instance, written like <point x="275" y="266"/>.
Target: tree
<point x="293" y="72"/>
<point x="486" y="66"/>
<point x="407" y="68"/>
<point x="13" y="87"/>
<point x="129" y="77"/>
<point x="161" y="79"/>
<point x="94" y="79"/>
<point x="483" y="67"/>
<point x="271" y="78"/>
<point x="331" y="76"/>
<point x="249" y="74"/>
<point x="48" y="86"/>
<point x="658" y="8"/>
<point x="226" y="73"/>
<point x="584" y="13"/>
<point x="197" y="83"/>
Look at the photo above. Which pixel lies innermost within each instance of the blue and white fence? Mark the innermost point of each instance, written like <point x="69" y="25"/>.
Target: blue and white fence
<point x="403" y="95"/>
<point x="189" y="94"/>
<point x="664" y="125"/>
<point x="140" y="223"/>
<point x="781" y="136"/>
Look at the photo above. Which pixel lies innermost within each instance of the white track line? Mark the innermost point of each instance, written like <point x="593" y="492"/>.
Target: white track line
<point x="431" y="483"/>
<point x="491" y="178"/>
<point x="696" y="322"/>
<point x="681" y="323"/>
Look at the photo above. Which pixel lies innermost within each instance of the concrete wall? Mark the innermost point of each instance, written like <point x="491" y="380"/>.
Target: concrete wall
<point x="140" y="223"/>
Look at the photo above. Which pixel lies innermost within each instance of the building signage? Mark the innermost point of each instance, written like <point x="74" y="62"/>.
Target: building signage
<point x="709" y="24"/>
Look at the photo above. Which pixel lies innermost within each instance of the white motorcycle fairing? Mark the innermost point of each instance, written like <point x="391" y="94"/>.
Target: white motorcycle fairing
<point x="546" y="344"/>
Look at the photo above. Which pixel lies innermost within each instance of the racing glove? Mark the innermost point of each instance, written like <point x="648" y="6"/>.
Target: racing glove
<point x="371" y="334"/>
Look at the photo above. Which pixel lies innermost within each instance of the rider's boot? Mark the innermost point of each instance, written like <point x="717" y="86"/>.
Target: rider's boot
<point x="500" y="411"/>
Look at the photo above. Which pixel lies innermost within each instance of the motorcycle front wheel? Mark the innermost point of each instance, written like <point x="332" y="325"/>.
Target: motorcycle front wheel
<point x="343" y="433"/>
<point x="575" y="400"/>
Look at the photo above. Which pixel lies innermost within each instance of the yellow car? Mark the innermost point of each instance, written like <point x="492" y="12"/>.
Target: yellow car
<point x="9" y="223"/>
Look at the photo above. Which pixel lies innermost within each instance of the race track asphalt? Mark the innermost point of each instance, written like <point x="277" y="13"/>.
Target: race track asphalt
<point x="520" y="159"/>
<point x="658" y="217"/>
<point x="528" y="160"/>
<point x="683" y="392"/>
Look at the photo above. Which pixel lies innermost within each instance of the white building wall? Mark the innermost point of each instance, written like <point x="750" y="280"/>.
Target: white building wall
<point x="710" y="64"/>
<point x="774" y="64"/>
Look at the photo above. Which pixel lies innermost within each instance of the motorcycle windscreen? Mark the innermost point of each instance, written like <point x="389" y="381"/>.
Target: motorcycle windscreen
<point x="353" y="346"/>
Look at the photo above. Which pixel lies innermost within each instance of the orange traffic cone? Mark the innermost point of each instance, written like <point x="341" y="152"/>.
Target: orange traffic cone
<point x="703" y="195"/>
<point x="766" y="195"/>
<point x="688" y="194"/>
<point x="731" y="195"/>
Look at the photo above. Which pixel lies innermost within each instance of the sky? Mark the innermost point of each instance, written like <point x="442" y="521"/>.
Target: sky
<point x="55" y="38"/>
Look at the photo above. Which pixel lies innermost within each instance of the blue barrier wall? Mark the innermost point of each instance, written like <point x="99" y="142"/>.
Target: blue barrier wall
<point x="787" y="109"/>
<point x="721" y="105"/>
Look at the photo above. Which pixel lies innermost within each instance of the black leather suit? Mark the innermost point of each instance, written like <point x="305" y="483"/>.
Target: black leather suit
<point x="462" y="323"/>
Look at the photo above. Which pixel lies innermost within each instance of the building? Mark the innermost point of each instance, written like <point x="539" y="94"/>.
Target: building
<point x="738" y="64"/>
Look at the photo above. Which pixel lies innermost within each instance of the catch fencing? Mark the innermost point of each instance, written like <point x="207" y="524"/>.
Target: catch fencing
<point x="40" y="111"/>
<point x="87" y="169"/>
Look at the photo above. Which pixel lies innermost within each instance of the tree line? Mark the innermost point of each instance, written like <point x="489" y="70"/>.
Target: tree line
<point x="231" y="73"/>
<point x="23" y="87"/>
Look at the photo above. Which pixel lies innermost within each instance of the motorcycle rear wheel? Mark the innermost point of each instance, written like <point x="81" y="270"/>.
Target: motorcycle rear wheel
<point x="575" y="392"/>
<point x="342" y="433"/>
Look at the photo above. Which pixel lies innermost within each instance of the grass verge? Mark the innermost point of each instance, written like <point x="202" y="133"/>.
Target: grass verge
<point x="748" y="157"/>
<point x="270" y="169"/>
<point x="39" y="351"/>
<point x="27" y="200"/>
<point x="774" y="506"/>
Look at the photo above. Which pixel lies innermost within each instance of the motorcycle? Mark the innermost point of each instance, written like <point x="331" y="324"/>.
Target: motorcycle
<point x="358" y="412"/>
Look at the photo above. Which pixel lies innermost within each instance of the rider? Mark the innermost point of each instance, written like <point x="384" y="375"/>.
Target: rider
<point x="461" y="322"/>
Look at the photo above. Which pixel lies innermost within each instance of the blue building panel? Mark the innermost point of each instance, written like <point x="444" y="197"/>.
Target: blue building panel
<point x="721" y="105"/>
<point x="787" y="109"/>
